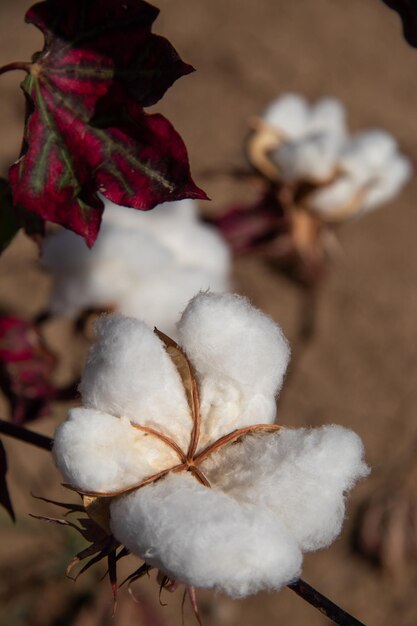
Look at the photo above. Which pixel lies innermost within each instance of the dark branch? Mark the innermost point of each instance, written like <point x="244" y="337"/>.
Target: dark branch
<point x="308" y="593"/>
<point x="323" y="604"/>
<point x="24" y="434"/>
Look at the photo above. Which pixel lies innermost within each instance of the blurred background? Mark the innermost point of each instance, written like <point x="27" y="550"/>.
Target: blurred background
<point x="360" y="368"/>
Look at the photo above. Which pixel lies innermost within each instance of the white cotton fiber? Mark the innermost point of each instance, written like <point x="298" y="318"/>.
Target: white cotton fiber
<point x="203" y="537"/>
<point x="101" y="453"/>
<point x="300" y="475"/>
<point x="240" y="356"/>
<point x="128" y="373"/>
<point x="336" y="200"/>
<point x="137" y="257"/>
<point x="312" y="137"/>
<point x="311" y="158"/>
<point x="371" y="172"/>
<point x="385" y="187"/>
<point x="167" y="295"/>
<point x="329" y="115"/>
<point x="287" y="114"/>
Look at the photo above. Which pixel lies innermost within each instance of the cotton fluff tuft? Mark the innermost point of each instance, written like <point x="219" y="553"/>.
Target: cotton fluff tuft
<point x="144" y="386"/>
<point x="300" y="475"/>
<point x="145" y="265"/>
<point x="240" y="356"/>
<point x="206" y="538"/>
<point x="272" y="495"/>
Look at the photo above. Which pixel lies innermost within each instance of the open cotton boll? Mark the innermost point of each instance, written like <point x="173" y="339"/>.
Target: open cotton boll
<point x="99" y="452"/>
<point x="300" y="475"/>
<point x="133" y="250"/>
<point x="237" y="517"/>
<point x="288" y="114"/>
<point x="240" y="356"/>
<point x="203" y="537"/>
<point x="128" y="373"/>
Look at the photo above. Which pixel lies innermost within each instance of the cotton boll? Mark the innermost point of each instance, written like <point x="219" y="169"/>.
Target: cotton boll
<point x="240" y="356"/>
<point x="299" y="475"/>
<point x="288" y="114"/>
<point x="128" y="373"/>
<point x="203" y="537"/>
<point x="99" y="452"/>
<point x="133" y="250"/>
<point x="312" y="158"/>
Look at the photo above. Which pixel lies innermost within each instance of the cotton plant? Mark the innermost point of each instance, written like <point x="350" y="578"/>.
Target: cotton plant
<point x="177" y="455"/>
<point x="145" y="265"/>
<point x="314" y="175"/>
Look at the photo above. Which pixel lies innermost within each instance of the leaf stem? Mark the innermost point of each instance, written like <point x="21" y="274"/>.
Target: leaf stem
<point x="26" y="435"/>
<point x="18" y="65"/>
<point x="323" y="604"/>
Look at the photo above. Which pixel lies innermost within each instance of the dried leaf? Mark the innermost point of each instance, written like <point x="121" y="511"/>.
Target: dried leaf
<point x="98" y="509"/>
<point x="407" y="10"/>
<point x="5" y="500"/>
<point x="182" y="364"/>
<point x="87" y="131"/>
<point x="139" y="573"/>
<point x="189" y="382"/>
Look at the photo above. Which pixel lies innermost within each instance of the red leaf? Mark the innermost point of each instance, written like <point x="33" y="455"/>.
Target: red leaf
<point x="408" y="13"/>
<point x="247" y="228"/>
<point x="26" y="366"/>
<point x="4" y="492"/>
<point x="87" y="131"/>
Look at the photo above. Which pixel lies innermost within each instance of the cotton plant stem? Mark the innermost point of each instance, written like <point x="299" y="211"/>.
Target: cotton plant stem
<point x="323" y="604"/>
<point x="10" y="67"/>
<point x="26" y="435"/>
<point x="303" y="589"/>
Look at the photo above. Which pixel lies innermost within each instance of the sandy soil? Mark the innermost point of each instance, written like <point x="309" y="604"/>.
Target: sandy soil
<point x="360" y="368"/>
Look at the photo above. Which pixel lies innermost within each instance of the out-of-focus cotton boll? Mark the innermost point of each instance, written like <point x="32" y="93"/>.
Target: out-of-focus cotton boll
<point x="241" y="357"/>
<point x="233" y="517"/>
<point x="311" y="137"/>
<point x="136" y="255"/>
<point x="206" y="538"/>
<point x="371" y="171"/>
